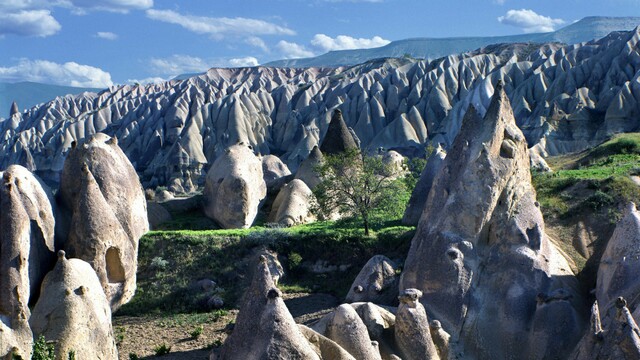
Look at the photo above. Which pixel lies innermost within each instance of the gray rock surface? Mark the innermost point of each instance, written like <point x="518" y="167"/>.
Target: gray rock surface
<point x="347" y="329"/>
<point x="74" y="312"/>
<point x="480" y="254"/>
<point x="15" y="245"/>
<point x="157" y="214"/>
<point x="235" y="188"/>
<point x="325" y="347"/>
<point x="101" y="192"/>
<point x="620" y="263"/>
<point x="418" y="199"/>
<point x="275" y="172"/>
<point x="36" y="200"/>
<point x="307" y="171"/>
<point x="292" y="205"/>
<point x="412" y="330"/>
<point x="264" y="327"/>
<point x="377" y="282"/>
<point x="573" y="96"/>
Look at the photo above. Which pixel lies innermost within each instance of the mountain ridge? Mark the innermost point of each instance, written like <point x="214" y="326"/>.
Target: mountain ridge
<point x="586" y="29"/>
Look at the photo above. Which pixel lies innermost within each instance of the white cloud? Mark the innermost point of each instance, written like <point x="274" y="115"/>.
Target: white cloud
<point x="529" y="21"/>
<point x="248" y="61"/>
<point x="344" y="42"/>
<point x="292" y="50"/>
<point x="122" y="6"/>
<point x="178" y="64"/>
<point x="219" y="28"/>
<point x="499" y="2"/>
<point x="29" y="23"/>
<point x="69" y="74"/>
<point x="106" y="35"/>
<point x="257" y="42"/>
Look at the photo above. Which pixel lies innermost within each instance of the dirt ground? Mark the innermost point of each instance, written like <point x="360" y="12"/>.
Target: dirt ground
<point x="142" y="336"/>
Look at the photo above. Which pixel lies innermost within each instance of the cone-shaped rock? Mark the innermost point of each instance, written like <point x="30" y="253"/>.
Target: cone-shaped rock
<point x="347" y="329"/>
<point x="325" y="347"/>
<point x="377" y="282"/>
<point x="418" y="199"/>
<point x="480" y="254"/>
<point x="412" y="331"/>
<point x="74" y="312"/>
<point x="338" y="138"/>
<point x="620" y="263"/>
<point x="15" y="244"/>
<point x="614" y="337"/>
<point x="235" y="188"/>
<point x="307" y="171"/>
<point x="264" y="328"/>
<point x="97" y="237"/>
<point x="116" y="177"/>
<point x="291" y="206"/>
<point x="35" y="198"/>
<point x="14" y="109"/>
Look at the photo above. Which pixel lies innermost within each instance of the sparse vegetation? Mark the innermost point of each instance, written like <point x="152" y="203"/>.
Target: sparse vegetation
<point x="587" y="190"/>
<point x="197" y="331"/>
<point x="162" y="349"/>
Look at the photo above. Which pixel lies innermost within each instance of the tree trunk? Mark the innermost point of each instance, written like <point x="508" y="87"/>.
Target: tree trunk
<point x="366" y="225"/>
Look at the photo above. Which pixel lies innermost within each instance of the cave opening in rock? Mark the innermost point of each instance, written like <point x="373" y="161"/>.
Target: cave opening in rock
<point x="115" y="271"/>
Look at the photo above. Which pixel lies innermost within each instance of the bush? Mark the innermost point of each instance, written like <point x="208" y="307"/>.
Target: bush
<point x="162" y="349"/>
<point x="197" y="331"/>
<point x="43" y="350"/>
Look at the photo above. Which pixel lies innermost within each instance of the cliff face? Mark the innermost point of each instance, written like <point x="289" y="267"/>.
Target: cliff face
<point x="573" y="97"/>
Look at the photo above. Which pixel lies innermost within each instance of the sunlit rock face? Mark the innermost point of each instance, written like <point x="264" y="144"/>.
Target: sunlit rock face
<point x="572" y="96"/>
<point x="480" y="255"/>
<point x="106" y="214"/>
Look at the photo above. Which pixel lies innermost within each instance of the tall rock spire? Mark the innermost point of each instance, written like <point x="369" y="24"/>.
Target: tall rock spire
<point x="14" y="109"/>
<point x="480" y="255"/>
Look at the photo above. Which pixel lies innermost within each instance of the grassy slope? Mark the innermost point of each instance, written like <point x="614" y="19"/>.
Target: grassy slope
<point x="170" y="261"/>
<point x="582" y="199"/>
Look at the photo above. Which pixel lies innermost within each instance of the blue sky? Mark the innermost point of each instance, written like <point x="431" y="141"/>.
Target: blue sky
<point x="95" y="43"/>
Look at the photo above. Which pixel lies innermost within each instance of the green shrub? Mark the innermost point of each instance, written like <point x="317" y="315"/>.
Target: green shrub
<point x="294" y="260"/>
<point x="197" y="331"/>
<point x="162" y="349"/>
<point x="133" y="356"/>
<point x="43" y="350"/>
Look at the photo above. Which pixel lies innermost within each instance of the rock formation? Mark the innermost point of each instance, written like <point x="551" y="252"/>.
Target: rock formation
<point x="291" y="206"/>
<point x="74" y="312"/>
<point x="614" y="332"/>
<point x="418" y="199"/>
<point x="264" y="328"/>
<point x="275" y="172"/>
<point x="15" y="278"/>
<point x="557" y="92"/>
<point x="480" y="254"/>
<point x="157" y="215"/>
<point x="307" y="171"/>
<point x="620" y="263"/>
<point x="101" y="192"/>
<point x="412" y="331"/>
<point x="235" y="188"/>
<point x="34" y="199"/>
<point x="377" y="282"/>
<point x="338" y="138"/>
<point x="346" y="328"/>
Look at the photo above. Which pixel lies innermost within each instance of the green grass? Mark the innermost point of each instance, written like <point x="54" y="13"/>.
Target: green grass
<point x="170" y="261"/>
<point x="589" y="188"/>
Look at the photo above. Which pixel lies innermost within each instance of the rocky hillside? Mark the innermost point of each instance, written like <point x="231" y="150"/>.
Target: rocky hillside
<point x="565" y="98"/>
